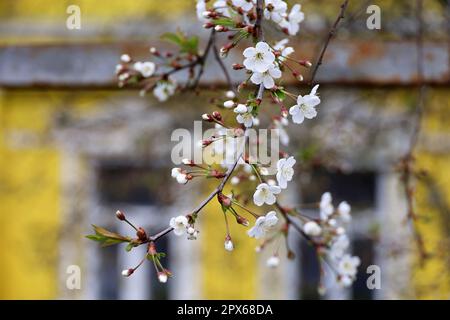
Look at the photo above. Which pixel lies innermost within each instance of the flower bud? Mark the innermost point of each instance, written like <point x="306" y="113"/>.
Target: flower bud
<point x="237" y="66"/>
<point x="206" y="142"/>
<point x="229" y="246"/>
<point x="229" y="103"/>
<point x="152" y="249"/>
<point x="234" y="181"/>
<point x="207" y="117"/>
<point x="311" y="228"/>
<point x="305" y="63"/>
<point x="125" y="58"/>
<point x="120" y="215"/>
<point x="242" y="220"/>
<point x="127" y="272"/>
<point x="140" y="233"/>
<point x="241" y="108"/>
<point x="216" y="115"/>
<point x="224" y="200"/>
<point x="273" y="262"/>
<point x="230" y="94"/>
<point x="162" y="277"/>
<point x="187" y="162"/>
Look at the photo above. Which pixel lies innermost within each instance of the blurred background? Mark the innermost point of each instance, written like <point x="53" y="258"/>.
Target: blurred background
<point x="75" y="148"/>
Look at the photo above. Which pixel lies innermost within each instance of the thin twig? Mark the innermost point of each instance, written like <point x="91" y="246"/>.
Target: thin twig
<point x="327" y="41"/>
<point x="222" y="66"/>
<point x="407" y="170"/>
<point x="203" y="58"/>
<point x="260" y="37"/>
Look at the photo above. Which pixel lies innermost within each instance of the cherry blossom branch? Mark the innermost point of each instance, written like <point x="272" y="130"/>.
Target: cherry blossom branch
<point x="219" y="189"/>
<point x="328" y="40"/>
<point x="211" y="196"/>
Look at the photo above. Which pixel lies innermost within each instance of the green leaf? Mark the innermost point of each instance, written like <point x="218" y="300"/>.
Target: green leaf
<point x="106" y="238"/>
<point x="279" y="94"/>
<point x="129" y="247"/>
<point x="226" y="22"/>
<point x="156" y="257"/>
<point x="175" y="38"/>
<point x="185" y="44"/>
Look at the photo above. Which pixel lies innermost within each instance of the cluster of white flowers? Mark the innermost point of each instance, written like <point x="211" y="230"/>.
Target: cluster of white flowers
<point x="264" y="64"/>
<point x="164" y="89"/>
<point x="329" y="229"/>
<point x="180" y="175"/>
<point x="181" y="227"/>
<point x="244" y="115"/>
<point x="128" y="70"/>
<point x="275" y="10"/>
<point x="146" y="69"/>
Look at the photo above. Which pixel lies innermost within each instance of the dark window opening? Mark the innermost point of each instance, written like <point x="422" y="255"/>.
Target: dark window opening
<point x="134" y="185"/>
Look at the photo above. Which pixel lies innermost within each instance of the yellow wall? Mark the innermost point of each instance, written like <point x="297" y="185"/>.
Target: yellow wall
<point x="29" y="199"/>
<point x="432" y="280"/>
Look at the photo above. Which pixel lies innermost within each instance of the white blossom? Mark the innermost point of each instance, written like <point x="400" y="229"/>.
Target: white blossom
<point x="244" y="115"/>
<point x="343" y="211"/>
<point x="285" y="171"/>
<point x="200" y="8"/>
<point x="292" y="23"/>
<point x="348" y="265"/>
<point x="266" y="77"/>
<point x="326" y="207"/>
<point x="285" y="51"/>
<point x="119" y="68"/>
<point x="192" y="233"/>
<point x="179" y="175"/>
<point x="339" y="246"/>
<point x="275" y="10"/>
<point x="175" y="172"/>
<point x="312" y="228"/>
<point x="263" y="225"/>
<point x="222" y="8"/>
<point x="234" y="181"/>
<point x="305" y="107"/>
<point x="246" y="5"/>
<point x="146" y="69"/>
<point x="265" y="194"/>
<point x="125" y="58"/>
<point x="259" y="58"/>
<point x="179" y="225"/>
<point x="273" y="262"/>
<point x="164" y="89"/>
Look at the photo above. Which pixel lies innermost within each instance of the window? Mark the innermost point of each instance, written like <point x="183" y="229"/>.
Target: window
<point x="144" y="191"/>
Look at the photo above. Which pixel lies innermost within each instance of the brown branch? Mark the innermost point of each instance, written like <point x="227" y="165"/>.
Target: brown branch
<point x="202" y="59"/>
<point x="327" y="41"/>
<point x="407" y="170"/>
<point x="222" y="66"/>
<point x="205" y="201"/>
<point x="260" y="37"/>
